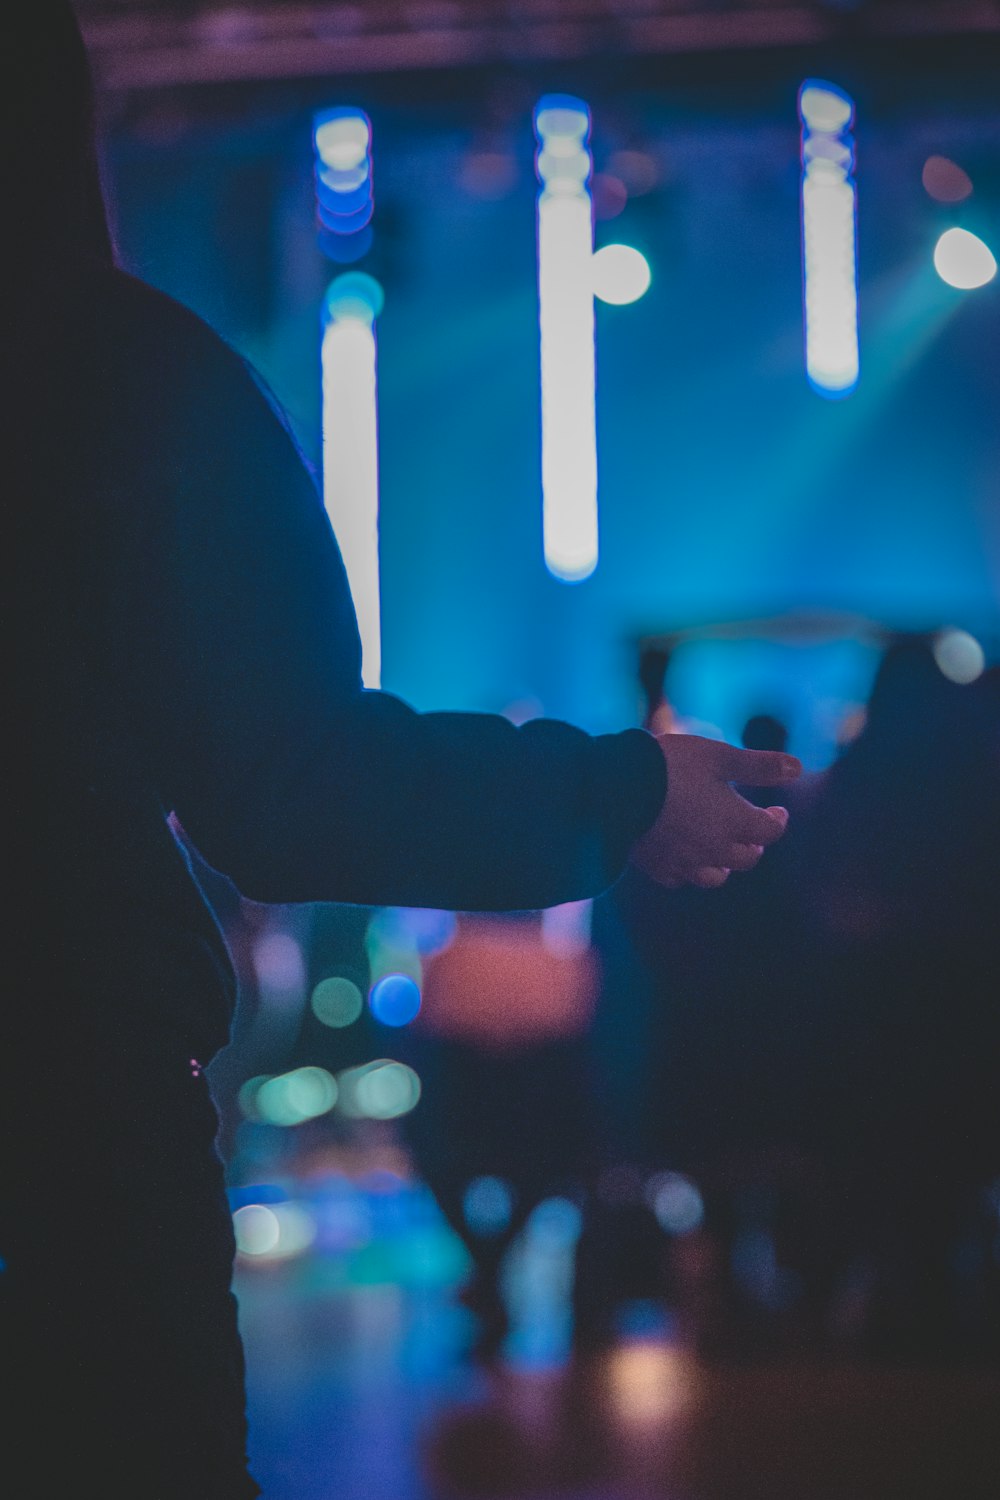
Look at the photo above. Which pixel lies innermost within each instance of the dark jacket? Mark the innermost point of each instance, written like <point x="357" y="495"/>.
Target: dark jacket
<point x="185" y="642"/>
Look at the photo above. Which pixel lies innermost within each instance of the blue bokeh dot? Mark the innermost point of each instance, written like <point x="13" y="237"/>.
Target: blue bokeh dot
<point x="395" y="1000"/>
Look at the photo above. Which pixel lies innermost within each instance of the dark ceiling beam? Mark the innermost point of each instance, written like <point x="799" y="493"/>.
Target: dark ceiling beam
<point x="152" y="46"/>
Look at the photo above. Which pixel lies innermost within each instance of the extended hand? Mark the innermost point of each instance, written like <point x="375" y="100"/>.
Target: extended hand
<point x="706" y="829"/>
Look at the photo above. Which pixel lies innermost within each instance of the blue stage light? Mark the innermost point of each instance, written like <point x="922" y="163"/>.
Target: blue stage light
<point x="395" y="1000"/>
<point x="350" y="448"/>
<point x="488" y="1206"/>
<point x="344" y="180"/>
<point x="566" y="317"/>
<point x="345" y="200"/>
<point x="829" y="238"/>
<point x="555" y="1223"/>
<point x="342" y="138"/>
<point x="346" y="249"/>
<point x="346" y="223"/>
<point x="342" y="210"/>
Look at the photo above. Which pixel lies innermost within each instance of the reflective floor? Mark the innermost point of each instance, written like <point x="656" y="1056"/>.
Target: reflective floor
<point x="361" y="1386"/>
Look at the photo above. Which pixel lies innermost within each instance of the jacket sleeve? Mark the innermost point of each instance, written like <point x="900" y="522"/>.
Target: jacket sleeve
<point x="240" y="663"/>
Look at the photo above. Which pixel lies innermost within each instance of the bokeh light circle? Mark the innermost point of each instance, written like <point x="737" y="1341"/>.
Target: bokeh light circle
<point x="342" y="138"/>
<point x="621" y="274"/>
<point x="337" y="1001"/>
<point x="296" y="1230"/>
<point x="345" y="249"/>
<point x="354" y="294"/>
<point x="273" y="1233"/>
<point x="278" y="961"/>
<point x="247" y="1096"/>
<point x="637" y="169"/>
<point x="562" y="117"/>
<point x="488" y="1205"/>
<point x="292" y="1098"/>
<point x="824" y="107"/>
<point x="395" y="1000"/>
<point x="963" y="260"/>
<point x="489" y="175"/>
<point x="959" y="656"/>
<point x="945" y="181"/>
<point x="555" y="1223"/>
<point x="256" y="1229"/>
<point x="609" y="194"/>
<point x="386" y="1091"/>
<point x="676" y="1202"/>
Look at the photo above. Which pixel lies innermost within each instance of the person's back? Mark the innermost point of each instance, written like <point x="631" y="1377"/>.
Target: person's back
<point x="98" y="871"/>
<point x="116" y="977"/>
<point x="184" y="644"/>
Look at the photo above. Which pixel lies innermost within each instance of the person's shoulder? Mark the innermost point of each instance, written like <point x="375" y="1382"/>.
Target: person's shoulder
<point x="154" y="357"/>
<point x="123" y="312"/>
<point x="150" y="354"/>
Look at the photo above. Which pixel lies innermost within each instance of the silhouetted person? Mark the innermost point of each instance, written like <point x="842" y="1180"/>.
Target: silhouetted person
<point x="184" y="640"/>
<point x="764" y="732"/>
<point x="893" y="955"/>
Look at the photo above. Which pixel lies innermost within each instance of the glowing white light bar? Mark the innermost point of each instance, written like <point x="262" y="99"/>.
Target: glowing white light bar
<point x="829" y="238"/>
<point x="350" y="448"/>
<point x="566" y="317"/>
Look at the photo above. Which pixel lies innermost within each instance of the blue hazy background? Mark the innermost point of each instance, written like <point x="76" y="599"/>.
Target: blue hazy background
<point x="728" y="489"/>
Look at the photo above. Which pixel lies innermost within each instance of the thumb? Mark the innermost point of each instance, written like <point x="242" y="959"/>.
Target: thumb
<point x="758" y="767"/>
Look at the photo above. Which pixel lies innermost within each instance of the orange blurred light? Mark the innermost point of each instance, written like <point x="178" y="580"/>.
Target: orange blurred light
<point x="499" y="986"/>
<point x="637" y="170"/>
<point x="489" y="175"/>
<point x="945" y="180"/>
<point x="610" y="195"/>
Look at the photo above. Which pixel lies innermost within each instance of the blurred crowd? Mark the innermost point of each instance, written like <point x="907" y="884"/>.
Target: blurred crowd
<point x="825" y="1040"/>
<point x="775" y="1105"/>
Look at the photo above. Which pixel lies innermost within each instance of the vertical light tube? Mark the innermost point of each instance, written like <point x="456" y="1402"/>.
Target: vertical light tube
<point x="566" y="318"/>
<point x="350" y="449"/>
<point x="345" y="202"/>
<point x="829" y="238"/>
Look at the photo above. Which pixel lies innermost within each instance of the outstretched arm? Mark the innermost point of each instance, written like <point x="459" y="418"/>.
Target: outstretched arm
<point x="241" y="663"/>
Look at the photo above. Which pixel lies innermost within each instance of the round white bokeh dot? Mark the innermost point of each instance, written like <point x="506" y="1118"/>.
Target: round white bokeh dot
<point x="621" y="274"/>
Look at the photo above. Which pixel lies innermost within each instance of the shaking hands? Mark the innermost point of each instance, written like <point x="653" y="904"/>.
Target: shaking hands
<point x="705" y="829"/>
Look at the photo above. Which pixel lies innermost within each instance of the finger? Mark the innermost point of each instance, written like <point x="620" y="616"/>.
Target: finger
<point x="744" y="856"/>
<point x="760" y="825"/>
<point x="757" y="767"/>
<point x="709" y="876"/>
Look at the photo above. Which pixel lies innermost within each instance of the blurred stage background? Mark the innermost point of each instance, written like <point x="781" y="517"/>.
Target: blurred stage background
<point x="762" y="545"/>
